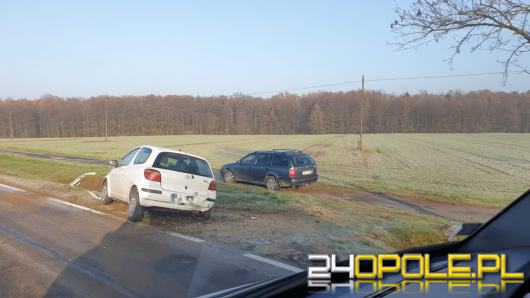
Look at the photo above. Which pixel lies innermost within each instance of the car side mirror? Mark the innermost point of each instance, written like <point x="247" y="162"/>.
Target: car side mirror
<point x="464" y="230"/>
<point x="113" y="163"/>
<point x="239" y="161"/>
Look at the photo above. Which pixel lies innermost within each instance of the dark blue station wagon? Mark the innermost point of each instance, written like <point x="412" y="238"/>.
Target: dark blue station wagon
<point x="274" y="168"/>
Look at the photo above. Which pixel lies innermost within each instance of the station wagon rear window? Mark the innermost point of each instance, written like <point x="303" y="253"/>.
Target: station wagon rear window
<point x="303" y="160"/>
<point x="183" y="163"/>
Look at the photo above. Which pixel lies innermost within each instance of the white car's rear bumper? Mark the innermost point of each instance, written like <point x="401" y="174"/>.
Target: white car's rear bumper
<point x="151" y="197"/>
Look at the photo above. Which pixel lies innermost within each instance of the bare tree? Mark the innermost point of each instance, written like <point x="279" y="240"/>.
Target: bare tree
<point x="495" y="25"/>
<point x="319" y="112"/>
<point x="317" y="122"/>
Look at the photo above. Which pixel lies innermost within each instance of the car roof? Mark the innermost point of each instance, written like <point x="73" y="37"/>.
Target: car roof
<point x="281" y="151"/>
<point x="162" y="149"/>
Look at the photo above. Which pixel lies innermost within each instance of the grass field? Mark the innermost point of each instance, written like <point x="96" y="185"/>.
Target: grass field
<point x="477" y="169"/>
<point x="288" y="224"/>
<point x="34" y="168"/>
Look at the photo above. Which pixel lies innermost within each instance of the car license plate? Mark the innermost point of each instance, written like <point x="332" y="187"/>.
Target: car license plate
<point x="307" y="172"/>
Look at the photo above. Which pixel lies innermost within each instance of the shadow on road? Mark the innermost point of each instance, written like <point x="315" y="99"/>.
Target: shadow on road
<point x="137" y="260"/>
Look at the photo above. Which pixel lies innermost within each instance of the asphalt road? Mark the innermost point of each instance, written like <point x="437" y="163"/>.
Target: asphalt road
<point x="52" y="249"/>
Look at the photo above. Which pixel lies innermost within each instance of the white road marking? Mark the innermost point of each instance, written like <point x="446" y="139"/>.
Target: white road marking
<point x="190" y="238"/>
<point x="11" y="188"/>
<point x="273" y="262"/>
<point x="185" y="237"/>
<point x="85" y="208"/>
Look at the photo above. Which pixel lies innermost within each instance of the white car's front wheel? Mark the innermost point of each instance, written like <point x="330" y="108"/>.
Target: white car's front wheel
<point x="136" y="211"/>
<point x="105" y="199"/>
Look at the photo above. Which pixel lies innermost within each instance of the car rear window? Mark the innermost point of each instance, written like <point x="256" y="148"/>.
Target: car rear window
<point x="183" y="163"/>
<point x="303" y="160"/>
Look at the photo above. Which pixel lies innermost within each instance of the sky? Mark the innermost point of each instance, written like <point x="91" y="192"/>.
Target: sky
<point x="97" y="47"/>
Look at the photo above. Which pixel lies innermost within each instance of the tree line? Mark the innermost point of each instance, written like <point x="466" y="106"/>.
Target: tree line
<point x="314" y="113"/>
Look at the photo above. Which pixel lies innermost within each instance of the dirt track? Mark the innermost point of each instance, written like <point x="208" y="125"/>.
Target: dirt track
<point x="419" y="205"/>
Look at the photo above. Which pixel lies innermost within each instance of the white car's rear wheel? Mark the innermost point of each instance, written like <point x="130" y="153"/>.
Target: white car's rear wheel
<point x="136" y="211"/>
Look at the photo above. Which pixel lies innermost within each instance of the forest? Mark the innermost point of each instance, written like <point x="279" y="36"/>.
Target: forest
<point x="313" y="113"/>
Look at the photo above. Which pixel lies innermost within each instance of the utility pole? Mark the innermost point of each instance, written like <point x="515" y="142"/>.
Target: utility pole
<point x="106" y="118"/>
<point x="360" y="143"/>
<point x="11" y="133"/>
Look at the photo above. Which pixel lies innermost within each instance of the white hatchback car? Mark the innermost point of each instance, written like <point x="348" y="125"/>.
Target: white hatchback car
<point x="158" y="177"/>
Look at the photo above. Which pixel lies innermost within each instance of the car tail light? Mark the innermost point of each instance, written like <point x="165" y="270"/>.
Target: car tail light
<point x="292" y="173"/>
<point x="152" y="175"/>
<point x="213" y="186"/>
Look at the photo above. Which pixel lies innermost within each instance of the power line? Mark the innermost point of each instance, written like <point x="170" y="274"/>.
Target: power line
<point x="439" y="76"/>
<point x="307" y="87"/>
<point x="382" y="80"/>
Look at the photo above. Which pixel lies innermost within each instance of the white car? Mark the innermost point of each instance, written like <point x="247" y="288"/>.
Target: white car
<point x="149" y="176"/>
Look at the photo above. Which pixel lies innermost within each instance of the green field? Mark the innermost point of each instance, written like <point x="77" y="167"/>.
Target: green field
<point x="41" y="169"/>
<point x="483" y="169"/>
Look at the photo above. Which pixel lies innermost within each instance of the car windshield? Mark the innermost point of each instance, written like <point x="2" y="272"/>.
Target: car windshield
<point x="182" y="163"/>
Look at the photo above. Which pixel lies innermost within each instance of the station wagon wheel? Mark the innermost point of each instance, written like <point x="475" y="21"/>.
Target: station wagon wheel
<point x="272" y="183"/>
<point x="105" y="199"/>
<point x="136" y="211"/>
<point x="229" y="177"/>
